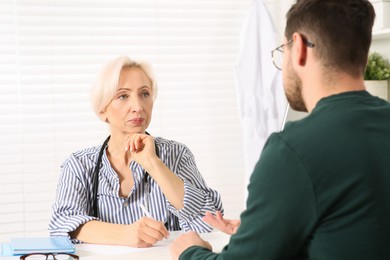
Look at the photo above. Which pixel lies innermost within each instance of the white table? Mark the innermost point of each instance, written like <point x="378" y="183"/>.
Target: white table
<point x="160" y="251"/>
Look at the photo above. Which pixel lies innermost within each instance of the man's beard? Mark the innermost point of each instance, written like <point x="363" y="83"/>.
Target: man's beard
<point x="293" y="90"/>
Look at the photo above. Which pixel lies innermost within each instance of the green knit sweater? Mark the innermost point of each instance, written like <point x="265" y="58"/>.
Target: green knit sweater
<point x="321" y="189"/>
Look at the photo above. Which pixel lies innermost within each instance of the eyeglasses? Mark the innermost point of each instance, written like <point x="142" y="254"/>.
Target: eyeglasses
<point x="49" y="256"/>
<point x="277" y="54"/>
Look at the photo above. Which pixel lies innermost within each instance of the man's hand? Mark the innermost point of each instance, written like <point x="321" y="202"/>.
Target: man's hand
<point x="228" y="226"/>
<point x="185" y="241"/>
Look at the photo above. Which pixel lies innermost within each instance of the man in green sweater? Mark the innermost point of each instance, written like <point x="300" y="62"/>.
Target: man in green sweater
<point x="321" y="188"/>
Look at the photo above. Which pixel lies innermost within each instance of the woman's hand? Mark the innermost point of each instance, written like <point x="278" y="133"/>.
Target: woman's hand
<point x="145" y="232"/>
<point x="142" y="151"/>
<point x="141" y="148"/>
<point x="228" y="226"/>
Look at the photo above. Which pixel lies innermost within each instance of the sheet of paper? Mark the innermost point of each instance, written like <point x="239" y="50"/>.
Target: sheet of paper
<point x="119" y="250"/>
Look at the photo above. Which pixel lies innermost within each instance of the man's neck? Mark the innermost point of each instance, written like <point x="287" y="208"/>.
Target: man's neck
<point x="339" y="84"/>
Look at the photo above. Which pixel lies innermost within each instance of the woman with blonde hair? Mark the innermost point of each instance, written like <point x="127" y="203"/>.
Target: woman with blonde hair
<point x="134" y="188"/>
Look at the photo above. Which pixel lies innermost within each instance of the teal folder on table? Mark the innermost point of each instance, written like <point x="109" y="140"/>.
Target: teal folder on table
<point x="27" y="245"/>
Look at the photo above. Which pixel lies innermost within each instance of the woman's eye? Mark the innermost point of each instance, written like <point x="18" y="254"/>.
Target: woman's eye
<point x="122" y="97"/>
<point x="145" y="94"/>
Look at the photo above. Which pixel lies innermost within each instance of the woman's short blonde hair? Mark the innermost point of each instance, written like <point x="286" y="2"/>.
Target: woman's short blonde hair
<point x="106" y="84"/>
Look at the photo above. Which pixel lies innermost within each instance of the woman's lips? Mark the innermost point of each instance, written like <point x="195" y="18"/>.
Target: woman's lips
<point x="137" y="121"/>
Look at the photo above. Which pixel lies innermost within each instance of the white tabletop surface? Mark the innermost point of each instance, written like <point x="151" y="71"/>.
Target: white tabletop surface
<point x="160" y="251"/>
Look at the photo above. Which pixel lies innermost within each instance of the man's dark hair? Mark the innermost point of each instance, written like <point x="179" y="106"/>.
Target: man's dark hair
<point x="340" y="29"/>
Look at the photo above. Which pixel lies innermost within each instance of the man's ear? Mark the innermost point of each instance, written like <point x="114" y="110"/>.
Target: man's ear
<point x="299" y="50"/>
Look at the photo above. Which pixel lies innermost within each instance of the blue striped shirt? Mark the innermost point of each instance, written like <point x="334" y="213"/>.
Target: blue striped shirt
<point x="73" y="203"/>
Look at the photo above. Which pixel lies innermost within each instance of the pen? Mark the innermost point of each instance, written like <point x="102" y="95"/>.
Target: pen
<point x="145" y="210"/>
<point x="149" y="215"/>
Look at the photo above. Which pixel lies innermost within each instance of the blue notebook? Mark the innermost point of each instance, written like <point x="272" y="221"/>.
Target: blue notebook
<point x="27" y="245"/>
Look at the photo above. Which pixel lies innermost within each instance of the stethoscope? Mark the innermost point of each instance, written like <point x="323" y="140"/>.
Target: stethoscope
<point x="96" y="175"/>
<point x="146" y="178"/>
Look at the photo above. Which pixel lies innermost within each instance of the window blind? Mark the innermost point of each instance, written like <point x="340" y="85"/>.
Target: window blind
<point x="51" y="51"/>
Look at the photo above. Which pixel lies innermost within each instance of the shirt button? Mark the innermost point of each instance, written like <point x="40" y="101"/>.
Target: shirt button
<point x="125" y="204"/>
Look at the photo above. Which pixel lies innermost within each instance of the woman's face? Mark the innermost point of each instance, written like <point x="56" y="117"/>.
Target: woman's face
<point x="130" y="111"/>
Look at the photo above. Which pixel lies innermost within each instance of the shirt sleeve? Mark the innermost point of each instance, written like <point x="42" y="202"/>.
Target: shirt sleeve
<point x="198" y="197"/>
<point x="281" y="210"/>
<point x="71" y="205"/>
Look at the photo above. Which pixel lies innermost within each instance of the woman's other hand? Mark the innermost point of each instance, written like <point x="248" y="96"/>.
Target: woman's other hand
<point x="228" y="226"/>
